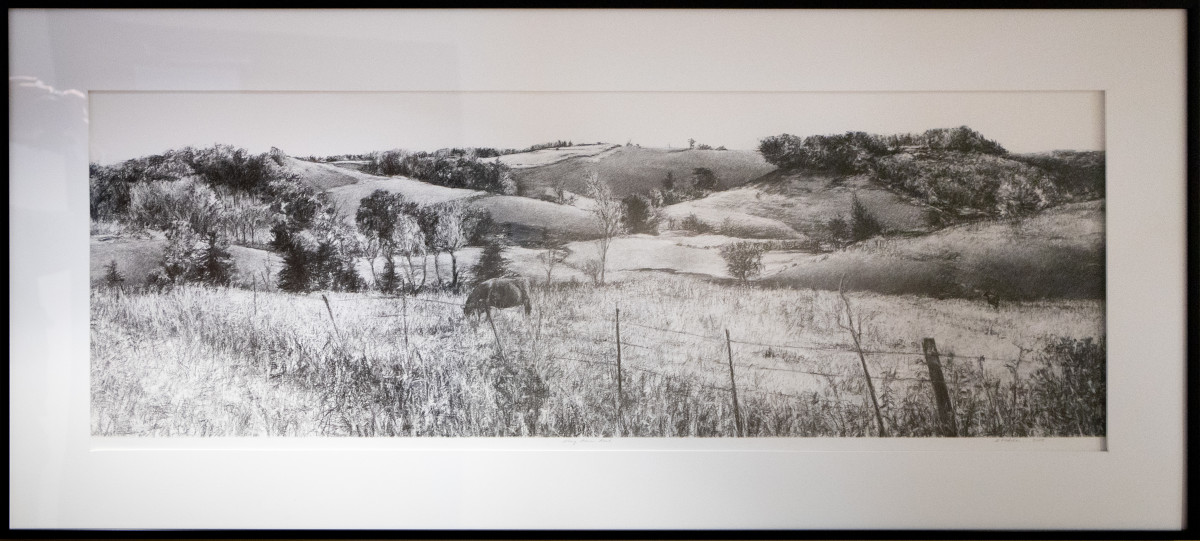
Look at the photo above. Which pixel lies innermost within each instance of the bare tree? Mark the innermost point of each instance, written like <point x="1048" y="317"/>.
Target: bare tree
<point x="455" y="224"/>
<point x="555" y="252"/>
<point x="407" y="240"/>
<point x="607" y="211"/>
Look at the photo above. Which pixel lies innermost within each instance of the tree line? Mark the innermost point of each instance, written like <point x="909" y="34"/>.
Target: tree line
<point x="958" y="172"/>
<point x="453" y="168"/>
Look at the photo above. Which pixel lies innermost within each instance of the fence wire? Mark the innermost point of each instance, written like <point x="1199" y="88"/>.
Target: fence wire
<point x="716" y="339"/>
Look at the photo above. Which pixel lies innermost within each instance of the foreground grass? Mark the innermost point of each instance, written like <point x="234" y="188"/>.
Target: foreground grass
<point x="229" y="362"/>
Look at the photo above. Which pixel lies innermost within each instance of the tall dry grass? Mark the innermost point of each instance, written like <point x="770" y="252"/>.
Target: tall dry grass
<point x="230" y="362"/>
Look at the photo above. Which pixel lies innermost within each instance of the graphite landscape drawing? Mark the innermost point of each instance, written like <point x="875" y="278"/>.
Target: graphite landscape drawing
<point x="598" y="265"/>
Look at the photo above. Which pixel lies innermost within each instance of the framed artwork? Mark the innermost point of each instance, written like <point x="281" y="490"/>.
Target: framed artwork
<point x="413" y="259"/>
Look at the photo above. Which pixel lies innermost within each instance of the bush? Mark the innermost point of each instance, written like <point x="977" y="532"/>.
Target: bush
<point x="639" y="215"/>
<point x="839" y="230"/>
<point x="863" y="224"/>
<point x="704" y="179"/>
<point x="592" y="268"/>
<point x="743" y="259"/>
<point x="112" y="277"/>
<point x="160" y="204"/>
<point x="693" y="224"/>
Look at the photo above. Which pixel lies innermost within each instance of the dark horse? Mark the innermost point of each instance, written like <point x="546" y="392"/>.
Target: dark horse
<point x="498" y="293"/>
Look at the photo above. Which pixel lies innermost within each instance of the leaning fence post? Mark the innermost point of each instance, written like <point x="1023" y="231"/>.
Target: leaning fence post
<point x="331" y="320"/>
<point x="737" y="413"/>
<point x="620" y="393"/>
<point x="499" y="348"/>
<point x="946" y="425"/>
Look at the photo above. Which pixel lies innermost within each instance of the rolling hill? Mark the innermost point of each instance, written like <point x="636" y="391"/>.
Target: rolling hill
<point x="1058" y="252"/>
<point x="796" y="202"/>
<point x="550" y="156"/>
<point x="631" y="169"/>
<point x="525" y="217"/>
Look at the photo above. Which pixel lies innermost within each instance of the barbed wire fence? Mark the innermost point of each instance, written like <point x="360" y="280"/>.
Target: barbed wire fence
<point x="618" y="360"/>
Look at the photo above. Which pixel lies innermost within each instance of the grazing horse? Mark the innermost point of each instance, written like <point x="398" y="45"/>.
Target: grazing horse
<point x="498" y="293"/>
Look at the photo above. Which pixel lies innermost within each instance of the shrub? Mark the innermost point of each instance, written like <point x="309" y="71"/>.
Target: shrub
<point x="160" y="204"/>
<point x="112" y="278"/>
<point x="863" y="224"/>
<point x="743" y="259"/>
<point x="703" y="178"/>
<point x="592" y="268"/>
<point x="639" y="215"/>
<point x="839" y="230"/>
<point x="693" y="224"/>
<point x="728" y="228"/>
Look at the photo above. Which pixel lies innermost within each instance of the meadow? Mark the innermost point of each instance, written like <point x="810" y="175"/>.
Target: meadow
<point x="212" y="361"/>
<point x="632" y="169"/>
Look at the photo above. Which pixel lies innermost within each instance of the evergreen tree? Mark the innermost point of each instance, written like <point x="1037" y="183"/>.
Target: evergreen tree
<point x="639" y="215"/>
<point x="112" y="278"/>
<point x="863" y="224"/>
<point x="214" y="263"/>
<point x="668" y="183"/>
<point x="491" y="263"/>
<point x="389" y="280"/>
<point x="295" y="276"/>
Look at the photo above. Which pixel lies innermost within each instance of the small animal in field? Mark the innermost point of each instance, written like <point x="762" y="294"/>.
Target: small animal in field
<point x="498" y="293"/>
<point x="992" y="299"/>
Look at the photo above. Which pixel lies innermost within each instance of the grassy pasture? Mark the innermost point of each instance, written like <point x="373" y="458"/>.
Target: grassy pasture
<point x="224" y="361"/>
<point x="799" y="201"/>
<point x="1058" y="253"/>
<point x="547" y="156"/>
<point x="322" y="176"/>
<point x="632" y="170"/>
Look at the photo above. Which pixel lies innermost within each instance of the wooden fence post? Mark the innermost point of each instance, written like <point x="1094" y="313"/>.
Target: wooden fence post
<point x="737" y="412"/>
<point x="499" y="348"/>
<point x="331" y="320"/>
<point x="620" y="391"/>
<point x="404" y="319"/>
<point x="941" y="397"/>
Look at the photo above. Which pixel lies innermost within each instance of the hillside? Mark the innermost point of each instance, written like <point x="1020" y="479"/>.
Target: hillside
<point x="138" y="256"/>
<point x="801" y="201"/>
<point x="549" y="156"/>
<point x="529" y="216"/>
<point x="1056" y="253"/>
<point x="349" y="196"/>
<point x="632" y="170"/>
<point x="525" y="217"/>
<point x="321" y="176"/>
